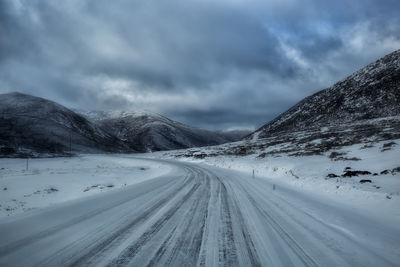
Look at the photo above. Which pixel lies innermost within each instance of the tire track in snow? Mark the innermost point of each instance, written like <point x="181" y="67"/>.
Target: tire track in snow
<point x="244" y="231"/>
<point x="119" y="235"/>
<point x="293" y="245"/>
<point x="191" y="238"/>
<point x="227" y="248"/>
<point x="40" y="235"/>
<point x="130" y="252"/>
<point x="319" y="233"/>
<point x="163" y="248"/>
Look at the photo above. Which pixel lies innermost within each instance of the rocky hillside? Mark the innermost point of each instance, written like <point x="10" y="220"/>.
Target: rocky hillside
<point x="144" y="131"/>
<point x="372" y="92"/>
<point x="31" y="125"/>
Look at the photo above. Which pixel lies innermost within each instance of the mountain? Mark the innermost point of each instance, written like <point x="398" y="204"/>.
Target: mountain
<point x="145" y="131"/>
<point x="370" y="93"/>
<point x="32" y="125"/>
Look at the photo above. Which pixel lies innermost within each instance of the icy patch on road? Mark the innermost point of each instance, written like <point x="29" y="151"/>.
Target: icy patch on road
<point x="54" y="180"/>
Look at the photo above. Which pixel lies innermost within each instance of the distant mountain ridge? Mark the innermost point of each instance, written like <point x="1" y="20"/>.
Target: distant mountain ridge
<point x="146" y="131"/>
<point x="99" y="115"/>
<point x="372" y="92"/>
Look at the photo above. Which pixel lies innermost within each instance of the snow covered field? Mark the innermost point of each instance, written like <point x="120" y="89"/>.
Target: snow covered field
<point x="54" y="180"/>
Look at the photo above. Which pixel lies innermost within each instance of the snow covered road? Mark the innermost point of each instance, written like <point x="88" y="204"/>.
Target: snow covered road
<point x="198" y="215"/>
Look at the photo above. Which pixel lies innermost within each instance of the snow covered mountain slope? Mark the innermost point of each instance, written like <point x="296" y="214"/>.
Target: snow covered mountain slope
<point x="372" y="92"/>
<point x="31" y="125"/>
<point x="145" y="131"/>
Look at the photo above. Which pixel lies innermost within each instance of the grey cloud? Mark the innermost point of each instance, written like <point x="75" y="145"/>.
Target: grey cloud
<point x="222" y="118"/>
<point x="207" y="63"/>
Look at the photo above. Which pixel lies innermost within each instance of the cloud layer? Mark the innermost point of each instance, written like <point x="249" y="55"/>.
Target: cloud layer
<point x="213" y="64"/>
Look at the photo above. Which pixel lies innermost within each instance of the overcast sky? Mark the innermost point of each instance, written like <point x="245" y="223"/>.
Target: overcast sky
<point x="212" y="64"/>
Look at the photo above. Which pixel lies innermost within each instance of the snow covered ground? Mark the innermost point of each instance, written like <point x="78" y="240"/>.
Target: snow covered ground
<point x="200" y="215"/>
<point x="49" y="181"/>
<point x="315" y="174"/>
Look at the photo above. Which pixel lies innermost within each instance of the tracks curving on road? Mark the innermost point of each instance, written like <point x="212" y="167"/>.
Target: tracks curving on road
<point x="194" y="216"/>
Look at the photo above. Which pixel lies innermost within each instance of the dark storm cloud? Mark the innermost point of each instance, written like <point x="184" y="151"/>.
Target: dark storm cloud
<point x="11" y="33"/>
<point x="213" y="64"/>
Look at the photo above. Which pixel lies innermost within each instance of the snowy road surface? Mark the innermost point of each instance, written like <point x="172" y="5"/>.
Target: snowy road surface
<point x="198" y="215"/>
